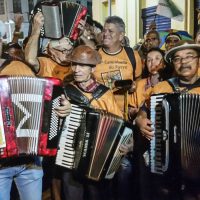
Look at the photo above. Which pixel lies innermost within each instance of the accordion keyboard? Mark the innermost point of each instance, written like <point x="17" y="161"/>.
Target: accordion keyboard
<point x="65" y="154"/>
<point x="155" y="144"/>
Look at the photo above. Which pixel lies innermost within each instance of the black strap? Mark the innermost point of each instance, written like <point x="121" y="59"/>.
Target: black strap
<point x="99" y="91"/>
<point x="78" y="97"/>
<point x="174" y="83"/>
<point x="131" y="57"/>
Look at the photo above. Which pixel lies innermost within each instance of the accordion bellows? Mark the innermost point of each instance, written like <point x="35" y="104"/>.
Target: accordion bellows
<point x="61" y="19"/>
<point x="175" y="148"/>
<point x="29" y="126"/>
<point x="90" y="141"/>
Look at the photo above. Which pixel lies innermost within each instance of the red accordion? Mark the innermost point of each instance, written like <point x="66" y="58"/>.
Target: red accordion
<point x="61" y="19"/>
<point x="28" y="123"/>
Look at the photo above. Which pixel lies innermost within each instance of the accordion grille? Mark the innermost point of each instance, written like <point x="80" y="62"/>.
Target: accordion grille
<point x="190" y="133"/>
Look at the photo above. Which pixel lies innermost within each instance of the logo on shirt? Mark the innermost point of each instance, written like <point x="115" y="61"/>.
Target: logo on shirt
<point x="109" y="77"/>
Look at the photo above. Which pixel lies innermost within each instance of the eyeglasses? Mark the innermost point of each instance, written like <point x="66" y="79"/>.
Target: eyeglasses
<point x="178" y="60"/>
<point x="172" y="41"/>
<point x="151" y="39"/>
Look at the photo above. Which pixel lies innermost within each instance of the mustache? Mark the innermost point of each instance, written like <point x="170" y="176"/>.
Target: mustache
<point x="184" y="67"/>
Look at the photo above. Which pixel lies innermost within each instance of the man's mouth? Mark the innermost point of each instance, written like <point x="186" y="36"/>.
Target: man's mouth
<point x="185" y="68"/>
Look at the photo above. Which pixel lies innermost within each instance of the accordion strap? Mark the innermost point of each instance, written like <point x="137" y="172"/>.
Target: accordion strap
<point x="174" y="83"/>
<point x="99" y="91"/>
<point x="77" y="96"/>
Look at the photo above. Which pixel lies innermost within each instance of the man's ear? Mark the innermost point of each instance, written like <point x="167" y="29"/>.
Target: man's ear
<point x="93" y="69"/>
<point x="121" y="37"/>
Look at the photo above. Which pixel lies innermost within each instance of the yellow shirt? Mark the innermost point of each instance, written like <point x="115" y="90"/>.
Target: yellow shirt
<point x="137" y="99"/>
<point x="16" y="68"/>
<point x="164" y="87"/>
<point x="105" y="102"/>
<point x="49" y="68"/>
<point x="117" y="67"/>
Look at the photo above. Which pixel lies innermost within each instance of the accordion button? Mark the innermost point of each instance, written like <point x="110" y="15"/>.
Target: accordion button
<point x="165" y="135"/>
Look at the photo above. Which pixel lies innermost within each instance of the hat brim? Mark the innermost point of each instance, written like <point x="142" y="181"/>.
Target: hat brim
<point x="169" y="54"/>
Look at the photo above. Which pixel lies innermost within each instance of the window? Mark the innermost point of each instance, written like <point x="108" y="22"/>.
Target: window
<point x="2" y="10"/>
<point x="17" y="6"/>
<point x="149" y="15"/>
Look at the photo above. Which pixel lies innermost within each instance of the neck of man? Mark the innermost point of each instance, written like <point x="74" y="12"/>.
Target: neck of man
<point x="189" y="80"/>
<point x="113" y="50"/>
<point x="86" y="83"/>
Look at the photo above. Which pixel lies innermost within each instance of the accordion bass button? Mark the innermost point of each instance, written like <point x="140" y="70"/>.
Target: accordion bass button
<point x="165" y="135"/>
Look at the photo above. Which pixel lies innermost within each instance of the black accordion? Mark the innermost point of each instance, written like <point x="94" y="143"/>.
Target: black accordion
<point x="61" y="19"/>
<point x="28" y="123"/>
<point x="175" y="148"/>
<point x="90" y="141"/>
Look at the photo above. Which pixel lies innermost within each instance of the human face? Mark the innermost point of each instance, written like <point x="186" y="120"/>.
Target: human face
<point x="186" y="63"/>
<point x="154" y="62"/>
<point x="63" y="45"/>
<point x="171" y="42"/>
<point x="59" y="49"/>
<point x="151" y="41"/>
<point x="82" y="73"/>
<point x="112" y="36"/>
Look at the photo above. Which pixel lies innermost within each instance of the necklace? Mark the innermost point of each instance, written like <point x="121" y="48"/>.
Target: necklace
<point x="113" y="53"/>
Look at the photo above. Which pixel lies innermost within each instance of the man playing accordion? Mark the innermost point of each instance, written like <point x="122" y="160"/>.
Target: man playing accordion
<point x="83" y="61"/>
<point x="185" y="59"/>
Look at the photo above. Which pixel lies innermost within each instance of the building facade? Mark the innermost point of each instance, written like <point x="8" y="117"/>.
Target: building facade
<point x="131" y="11"/>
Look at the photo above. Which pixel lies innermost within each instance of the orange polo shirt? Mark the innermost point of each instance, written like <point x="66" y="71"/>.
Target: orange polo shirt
<point x="16" y="68"/>
<point x="49" y="68"/>
<point x="117" y="67"/>
<point x="105" y="102"/>
<point x="137" y="99"/>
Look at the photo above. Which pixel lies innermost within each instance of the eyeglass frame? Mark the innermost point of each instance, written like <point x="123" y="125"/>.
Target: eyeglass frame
<point x="190" y="57"/>
<point x="151" y="39"/>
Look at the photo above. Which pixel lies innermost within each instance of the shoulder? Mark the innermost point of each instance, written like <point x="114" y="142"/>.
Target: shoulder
<point x="141" y="82"/>
<point x="162" y="87"/>
<point x="46" y="61"/>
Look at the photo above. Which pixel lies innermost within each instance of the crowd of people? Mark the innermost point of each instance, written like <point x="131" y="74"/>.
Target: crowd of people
<point x="102" y="61"/>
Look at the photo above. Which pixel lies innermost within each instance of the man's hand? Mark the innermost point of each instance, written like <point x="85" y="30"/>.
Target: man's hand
<point x="133" y="88"/>
<point x="144" y="125"/>
<point x="38" y="22"/>
<point x="18" y="19"/>
<point x="65" y="108"/>
<point x="126" y="148"/>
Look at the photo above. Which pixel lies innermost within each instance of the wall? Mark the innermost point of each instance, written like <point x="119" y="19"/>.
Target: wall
<point x="185" y="6"/>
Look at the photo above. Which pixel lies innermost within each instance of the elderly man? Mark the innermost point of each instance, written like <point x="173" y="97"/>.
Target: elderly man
<point x="84" y="59"/>
<point x="54" y="63"/>
<point x="185" y="59"/>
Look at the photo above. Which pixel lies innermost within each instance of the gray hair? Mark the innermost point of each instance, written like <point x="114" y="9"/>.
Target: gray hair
<point x="117" y="21"/>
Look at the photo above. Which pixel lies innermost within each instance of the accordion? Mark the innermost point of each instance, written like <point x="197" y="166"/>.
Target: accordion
<point x="61" y="19"/>
<point x="29" y="126"/>
<point x="90" y="141"/>
<point x="175" y="148"/>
